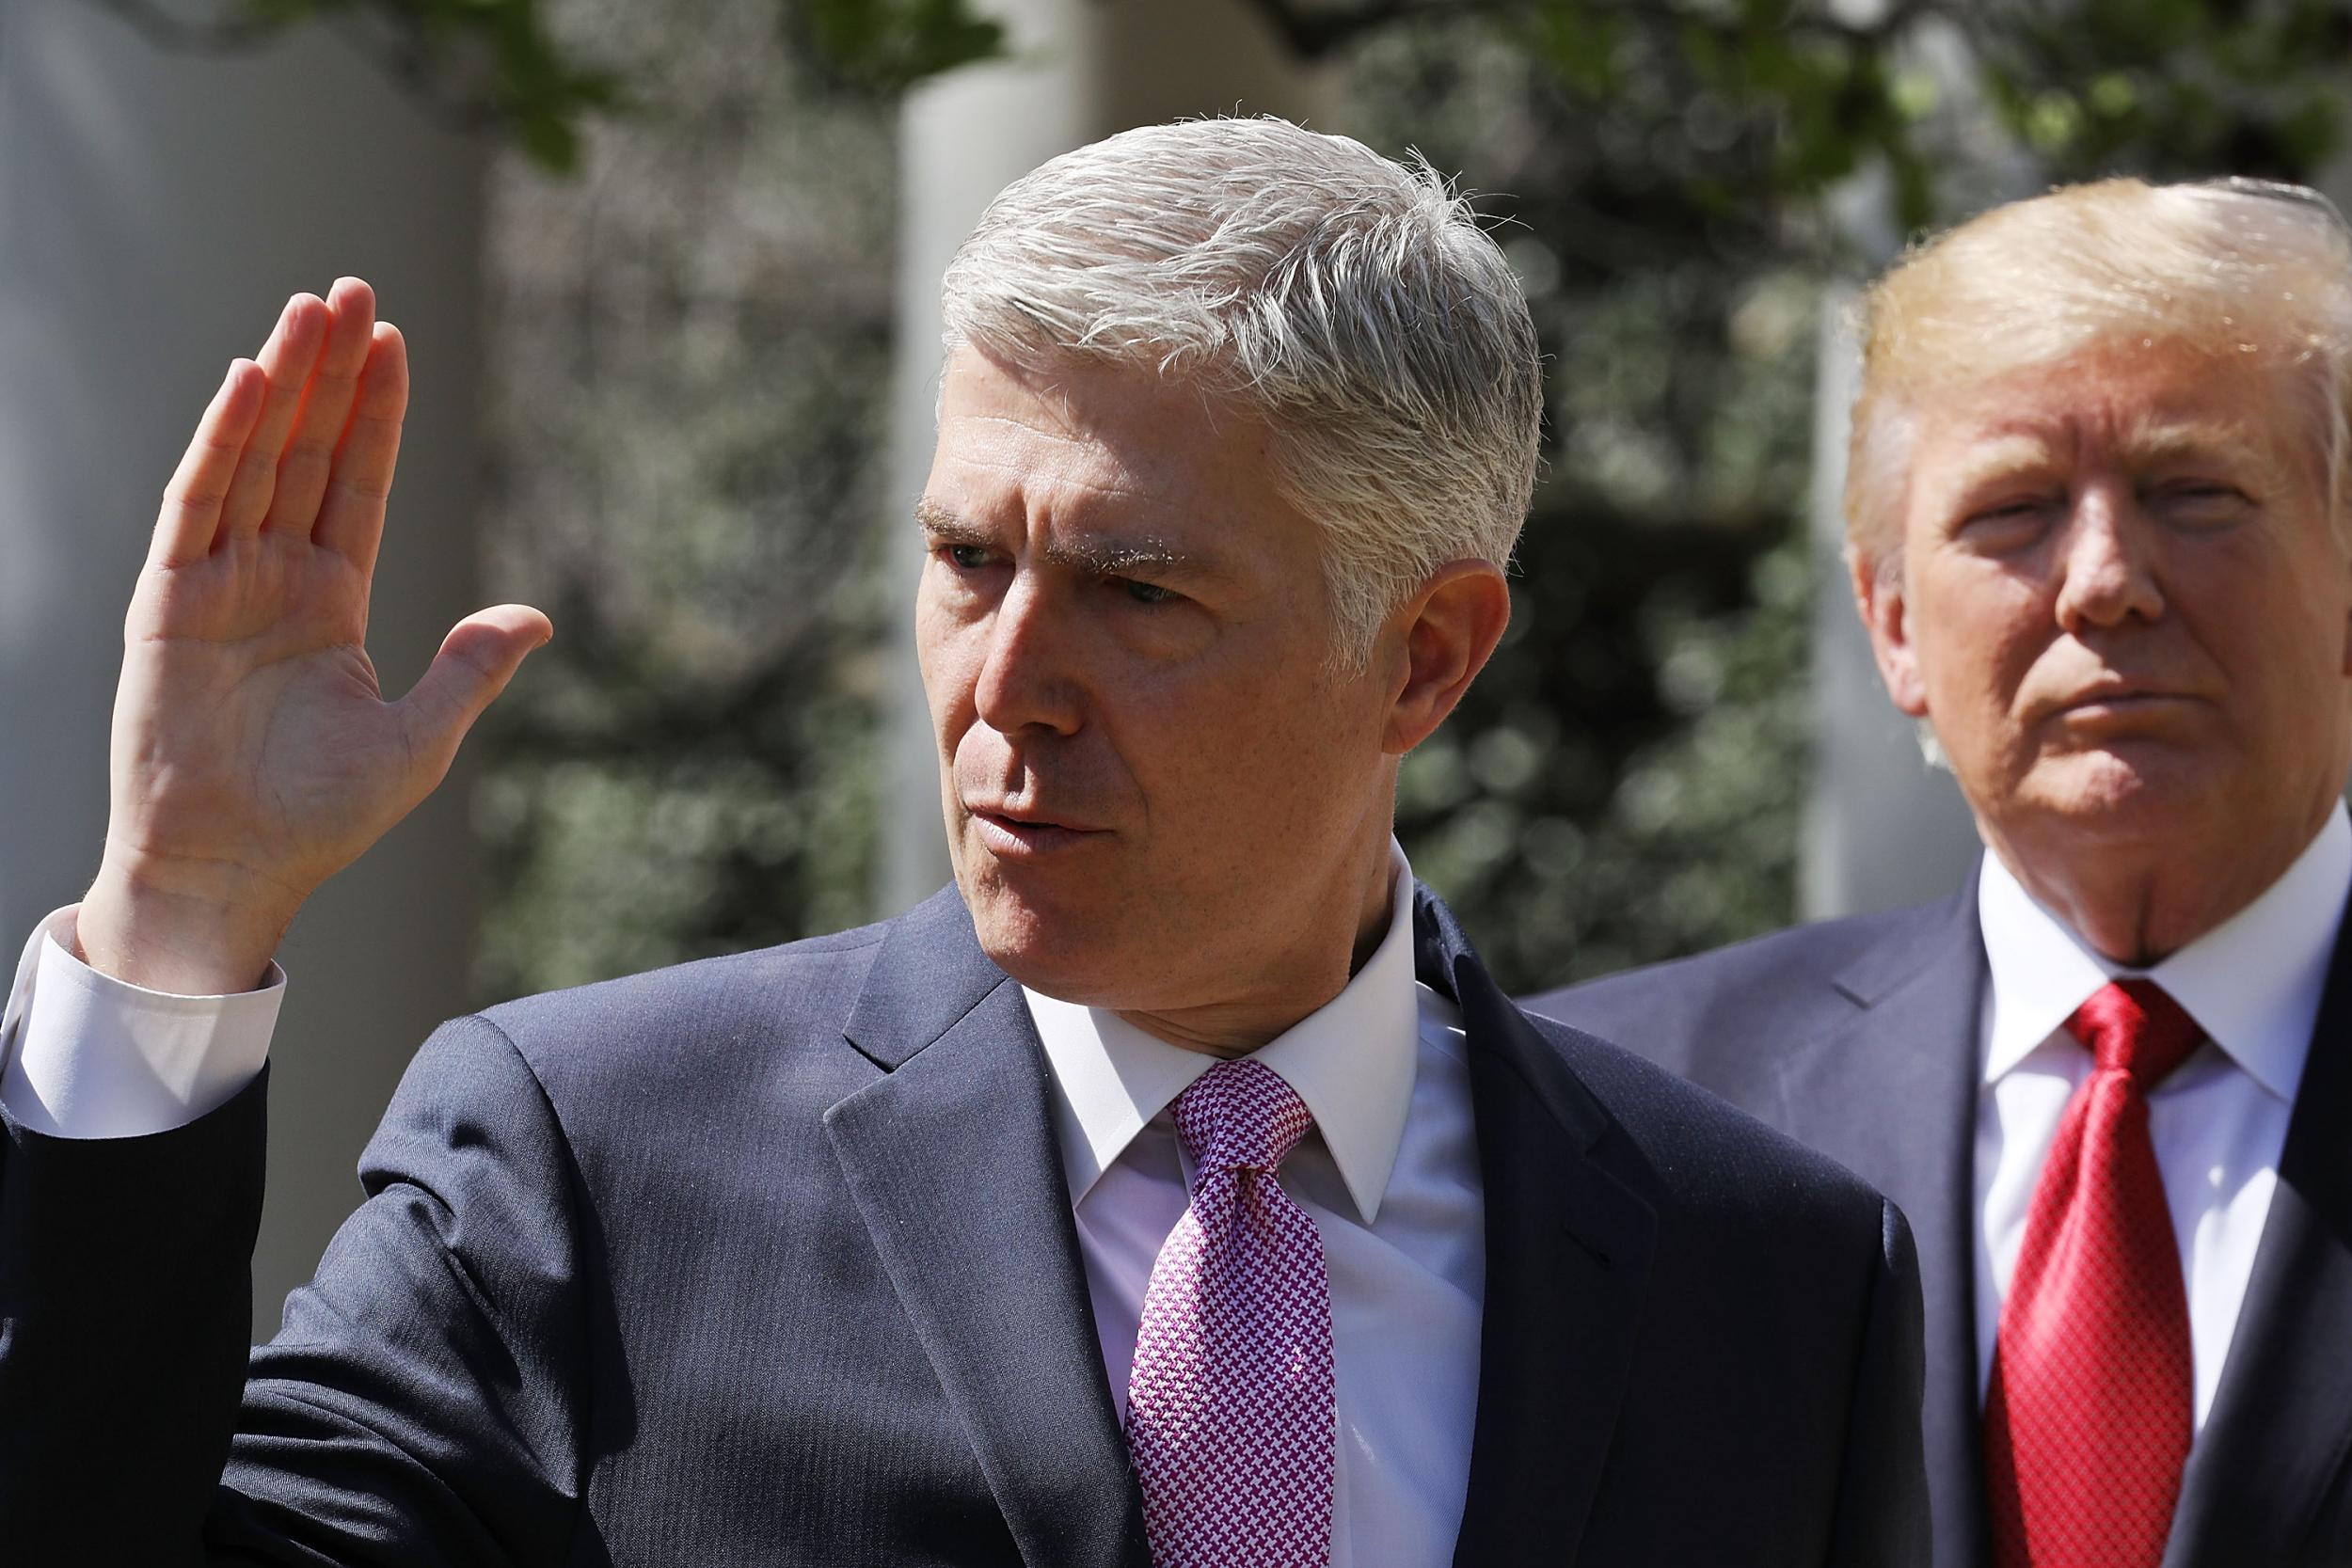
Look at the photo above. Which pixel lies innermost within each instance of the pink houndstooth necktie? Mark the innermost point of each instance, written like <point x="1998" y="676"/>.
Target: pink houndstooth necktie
<point x="1229" y="1404"/>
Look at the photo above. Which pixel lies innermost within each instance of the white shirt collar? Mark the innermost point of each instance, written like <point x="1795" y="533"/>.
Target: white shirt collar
<point x="1351" y="1060"/>
<point x="2253" y="983"/>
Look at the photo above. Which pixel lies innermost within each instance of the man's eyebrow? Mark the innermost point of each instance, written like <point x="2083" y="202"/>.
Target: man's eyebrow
<point x="1101" y="555"/>
<point x="2158" y="437"/>
<point x="2004" y="456"/>
<point x="1122" y="557"/>
<point x="945" y="527"/>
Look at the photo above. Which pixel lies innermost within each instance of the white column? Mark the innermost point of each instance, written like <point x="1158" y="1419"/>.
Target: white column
<point x="155" y="211"/>
<point x="1077" y="70"/>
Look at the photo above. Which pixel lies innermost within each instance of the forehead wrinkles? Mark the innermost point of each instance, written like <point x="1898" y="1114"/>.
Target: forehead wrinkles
<point x="1137" y="456"/>
<point x="2145" y="420"/>
<point x="1081" y="494"/>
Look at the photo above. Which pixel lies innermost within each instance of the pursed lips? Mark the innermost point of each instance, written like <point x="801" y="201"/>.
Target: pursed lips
<point x="2124" y="696"/>
<point x="2120" y="700"/>
<point x="1021" y="832"/>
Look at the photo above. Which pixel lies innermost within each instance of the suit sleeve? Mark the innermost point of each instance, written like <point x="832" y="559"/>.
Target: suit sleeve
<point x="125" y="1305"/>
<point x="422" y="1402"/>
<point x="1881" y="1514"/>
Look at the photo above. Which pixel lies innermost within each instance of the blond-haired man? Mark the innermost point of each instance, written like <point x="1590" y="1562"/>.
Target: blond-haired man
<point x="2097" y="506"/>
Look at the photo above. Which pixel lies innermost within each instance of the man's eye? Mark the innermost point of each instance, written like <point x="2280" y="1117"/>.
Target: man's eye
<point x="1148" y="592"/>
<point x="2008" y="523"/>
<point x="965" y="558"/>
<point x="2200" y="500"/>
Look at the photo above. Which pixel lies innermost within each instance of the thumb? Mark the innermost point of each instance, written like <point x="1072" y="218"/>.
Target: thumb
<point x="478" y="657"/>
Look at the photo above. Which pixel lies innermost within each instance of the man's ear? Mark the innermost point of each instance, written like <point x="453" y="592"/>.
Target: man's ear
<point x="1878" y="594"/>
<point x="1449" y="628"/>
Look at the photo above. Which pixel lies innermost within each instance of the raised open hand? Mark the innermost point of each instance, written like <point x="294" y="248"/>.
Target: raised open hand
<point x="253" y="753"/>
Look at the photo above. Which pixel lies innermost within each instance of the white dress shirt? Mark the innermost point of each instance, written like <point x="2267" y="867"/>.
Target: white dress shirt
<point x="2253" y="985"/>
<point x="1389" y="1175"/>
<point x="82" y="1056"/>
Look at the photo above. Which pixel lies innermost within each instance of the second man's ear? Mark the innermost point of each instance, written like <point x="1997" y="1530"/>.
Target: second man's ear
<point x="1450" y="628"/>
<point x="1878" y="596"/>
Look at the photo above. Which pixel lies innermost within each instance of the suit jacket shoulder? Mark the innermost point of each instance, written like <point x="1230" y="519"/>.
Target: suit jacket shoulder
<point x="1857" y="1038"/>
<point x="1727" y="1302"/>
<point x="647" y="1022"/>
<point x="1707" y="1152"/>
<point x="1725" y="1018"/>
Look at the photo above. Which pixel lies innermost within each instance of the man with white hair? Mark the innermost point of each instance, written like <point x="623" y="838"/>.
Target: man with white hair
<point x="1174" y="1189"/>
<point x="2098" y="522"/>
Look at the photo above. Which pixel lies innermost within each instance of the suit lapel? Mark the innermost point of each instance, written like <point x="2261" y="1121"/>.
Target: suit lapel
<point x="1568" y="1250"/>
<point x="952" y="1161"/>
<point x="2281" y="1427"/>
<point x="1890" y="1092"/>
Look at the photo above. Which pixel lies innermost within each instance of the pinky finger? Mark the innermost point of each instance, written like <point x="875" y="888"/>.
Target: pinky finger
<point x="192" y="502"/>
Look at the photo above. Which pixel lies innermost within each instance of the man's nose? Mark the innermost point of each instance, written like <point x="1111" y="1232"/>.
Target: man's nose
<point x="2107" y="562"/>
<point x="1027" y="678"/>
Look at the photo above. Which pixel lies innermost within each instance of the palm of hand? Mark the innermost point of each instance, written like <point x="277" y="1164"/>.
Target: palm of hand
<point x="250" y="730"/>
<point x="253" y="753"/>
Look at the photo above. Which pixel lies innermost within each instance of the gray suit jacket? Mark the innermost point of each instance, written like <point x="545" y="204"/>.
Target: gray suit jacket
<point x="770" y="1259"/>
<point x="1861" y="1038"/>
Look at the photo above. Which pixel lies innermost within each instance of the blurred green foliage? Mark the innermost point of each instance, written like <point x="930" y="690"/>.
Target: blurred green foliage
<point x="687" y="357"/>
<point x="2254" y="86"/>
<point x="1679" y="183"/>
<point x="690" y="344"/>
<point x="888" y="46"/>
<point x="1623" y="783"/>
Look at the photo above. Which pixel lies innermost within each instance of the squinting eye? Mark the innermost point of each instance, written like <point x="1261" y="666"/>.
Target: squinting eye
<point x="1149" y="592"/>
<point x="965" y="558"/>
<point x="2202" y="501"/>
<point x="2007" y="525"/>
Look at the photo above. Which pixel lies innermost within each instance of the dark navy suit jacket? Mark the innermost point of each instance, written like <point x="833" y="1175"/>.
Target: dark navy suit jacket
<point x="770" y="1259"/>
<point x="1861" y="1038"/>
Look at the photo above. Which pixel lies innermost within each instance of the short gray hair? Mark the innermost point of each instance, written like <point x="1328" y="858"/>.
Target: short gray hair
<point x="1352" y="302"/>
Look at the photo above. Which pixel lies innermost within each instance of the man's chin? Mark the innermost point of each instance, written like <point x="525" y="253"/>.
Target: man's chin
<point x="2130" y="791"/>
<point x="1057" y="947"/>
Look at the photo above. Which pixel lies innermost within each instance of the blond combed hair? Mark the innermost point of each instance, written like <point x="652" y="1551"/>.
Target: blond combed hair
<point x="2228" y="268"/>
<point x="1351" y="302"/>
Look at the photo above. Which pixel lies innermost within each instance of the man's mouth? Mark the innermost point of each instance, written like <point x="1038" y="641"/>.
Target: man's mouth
<point x="2121" y="709"/>
<point x="1018" y="835"/>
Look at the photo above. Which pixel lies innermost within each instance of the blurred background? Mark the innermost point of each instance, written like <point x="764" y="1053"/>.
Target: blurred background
<point x="667" y="269"/>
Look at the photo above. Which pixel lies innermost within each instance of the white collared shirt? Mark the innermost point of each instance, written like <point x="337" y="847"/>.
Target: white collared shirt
<point x="1390" y="1176"/>
<point x="2253" y="984"/>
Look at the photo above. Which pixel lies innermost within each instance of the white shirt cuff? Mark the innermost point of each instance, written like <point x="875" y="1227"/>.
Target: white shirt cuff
<point x="84" y="1055"/>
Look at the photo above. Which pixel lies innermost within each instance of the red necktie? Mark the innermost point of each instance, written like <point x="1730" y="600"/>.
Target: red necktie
<point x="2087" y="1419"/>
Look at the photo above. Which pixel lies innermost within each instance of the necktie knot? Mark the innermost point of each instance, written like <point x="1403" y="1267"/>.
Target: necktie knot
<point x="1240" y="1116"/>
<point x="2132" y="1026"/>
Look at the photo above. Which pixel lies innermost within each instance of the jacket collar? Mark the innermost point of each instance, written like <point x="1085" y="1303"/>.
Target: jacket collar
<point x="1569" y="1241"/>
<point x="952" y="1158"/>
